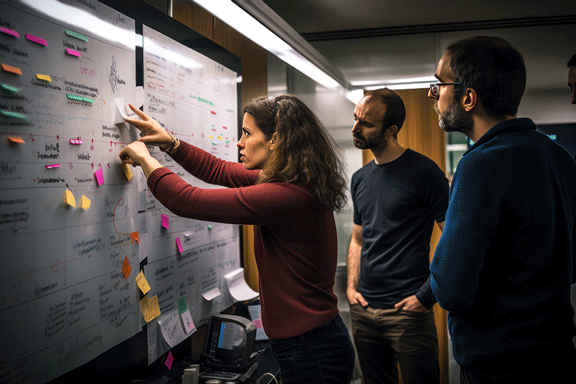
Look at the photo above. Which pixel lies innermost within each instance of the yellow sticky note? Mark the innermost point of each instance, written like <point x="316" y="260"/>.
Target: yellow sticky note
<point x="150" y="308"/>
<point x="127" y="171"/>
<point x="42" y="77"/>
<point x="84" y="203"/>
<point x="69" y="198"/>
<point x="142" y="283"/>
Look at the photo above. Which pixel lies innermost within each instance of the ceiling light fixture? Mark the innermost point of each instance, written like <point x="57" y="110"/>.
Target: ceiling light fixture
<point x="257" y="21"/>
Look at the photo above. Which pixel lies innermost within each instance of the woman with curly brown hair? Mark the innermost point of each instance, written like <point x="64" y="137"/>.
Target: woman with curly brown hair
<point x="289" y="184"/>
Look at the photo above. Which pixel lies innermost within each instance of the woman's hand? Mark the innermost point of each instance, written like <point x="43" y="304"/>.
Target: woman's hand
<point x="136" y="153"/>
<point x="154" y="133"/>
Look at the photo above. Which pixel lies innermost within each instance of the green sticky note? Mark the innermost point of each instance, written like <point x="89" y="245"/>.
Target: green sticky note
<point x="15" y="115"/>
<point x="74" y="97"/>
<point x="182" y="305"/>
<point x="87" y="100"/>
<point x="9" y="88"/>
<point x="77" y="35"/>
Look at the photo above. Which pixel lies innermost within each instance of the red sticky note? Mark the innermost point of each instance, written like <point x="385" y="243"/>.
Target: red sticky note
<point x="134" y="236"/>
<point x="179" y="244"/>
<point x="99" y="174"/>
<point x="165" y="221"/>
<point x="169" y="360"/>
<point x="126" y="267"/>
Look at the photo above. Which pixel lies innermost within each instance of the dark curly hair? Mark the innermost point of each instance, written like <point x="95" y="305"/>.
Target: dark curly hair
<point x="305" y="155"/>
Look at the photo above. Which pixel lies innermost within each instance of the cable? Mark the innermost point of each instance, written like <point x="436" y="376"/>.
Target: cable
<point x="259" y="381"/>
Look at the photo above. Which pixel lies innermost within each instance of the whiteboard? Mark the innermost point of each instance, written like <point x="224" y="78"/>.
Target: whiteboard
<point x="194" y="98"/>
<point x="64" y="294"/>
<point x="63" y="297"/>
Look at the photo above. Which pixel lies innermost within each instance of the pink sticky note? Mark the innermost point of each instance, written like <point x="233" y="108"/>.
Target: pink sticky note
<point x="50" y="166"/>
<point x="179" y="244"/>
<point x="257" y="323"/>
<point x="73" y="52"/>
<point x="76" y="141"/>
<point x="36" y="39"/>
<point x="169" y="360"/>
<point x="165" y="221"/>
<point x="9" y="32"/>
<point x="99" y="174"/>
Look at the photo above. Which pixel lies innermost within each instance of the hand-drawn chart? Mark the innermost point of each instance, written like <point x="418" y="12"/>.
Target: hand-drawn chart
<point x="195" y="99"/>
<point x="67" y="212"/>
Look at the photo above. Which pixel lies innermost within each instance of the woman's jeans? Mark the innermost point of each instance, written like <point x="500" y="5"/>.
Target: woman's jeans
<point x="323" y="355"/>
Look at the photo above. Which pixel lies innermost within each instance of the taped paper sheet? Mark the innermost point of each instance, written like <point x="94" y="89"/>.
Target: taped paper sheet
<point x="238" y="287"/>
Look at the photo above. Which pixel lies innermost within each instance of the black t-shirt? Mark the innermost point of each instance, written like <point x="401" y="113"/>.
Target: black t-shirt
<point x="396" y="204"/>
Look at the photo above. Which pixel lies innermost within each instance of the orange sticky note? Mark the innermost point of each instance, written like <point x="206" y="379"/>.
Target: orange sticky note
<point x="134" y="236"/>
<point x="126" y="267"/>
<point x="16" y="140"/>
<point x="11" y="69"/>
<point x="150" y="308"/>
<point x="142" y="283"/>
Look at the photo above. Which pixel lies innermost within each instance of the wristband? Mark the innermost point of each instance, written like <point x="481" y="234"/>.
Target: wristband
<point x="170" y="147"/>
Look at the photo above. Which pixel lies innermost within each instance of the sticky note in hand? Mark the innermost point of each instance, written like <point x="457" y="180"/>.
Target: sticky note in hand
<point x="127" y="171"/>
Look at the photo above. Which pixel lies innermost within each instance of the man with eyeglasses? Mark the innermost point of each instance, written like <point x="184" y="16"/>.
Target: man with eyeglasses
<point x="504" y="264"/>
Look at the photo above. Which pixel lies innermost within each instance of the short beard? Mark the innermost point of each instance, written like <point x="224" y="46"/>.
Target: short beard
<point x="367" y="144"/>
<point x="455" y="119"/>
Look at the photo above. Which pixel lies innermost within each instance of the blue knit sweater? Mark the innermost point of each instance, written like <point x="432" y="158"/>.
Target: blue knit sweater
<point x="504" y="264"/>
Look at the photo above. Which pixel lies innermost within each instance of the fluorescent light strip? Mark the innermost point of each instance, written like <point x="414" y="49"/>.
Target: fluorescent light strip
<point x="242" y="22"/>
<point x="421" y="79"/>
<point x="399" y="86"/>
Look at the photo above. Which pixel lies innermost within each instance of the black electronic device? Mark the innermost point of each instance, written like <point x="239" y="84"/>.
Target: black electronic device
<point x="229" y="343"/>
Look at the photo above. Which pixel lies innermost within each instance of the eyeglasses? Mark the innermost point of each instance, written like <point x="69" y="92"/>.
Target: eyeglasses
<point x="435" y="88"/>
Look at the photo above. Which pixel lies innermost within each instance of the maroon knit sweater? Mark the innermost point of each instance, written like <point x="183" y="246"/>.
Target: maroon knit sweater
<point x="294" y="239"/>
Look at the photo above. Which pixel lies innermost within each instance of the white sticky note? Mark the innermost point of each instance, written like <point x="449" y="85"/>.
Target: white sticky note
<point x="187" y="322"/>
<point x="139" y="101"/>
<point x="144" y="246"/>
<point x="171" y="329"/>
<point x="238" y="287"/>
<point x="121" y="111"/>
<point x="211" y="294"/>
